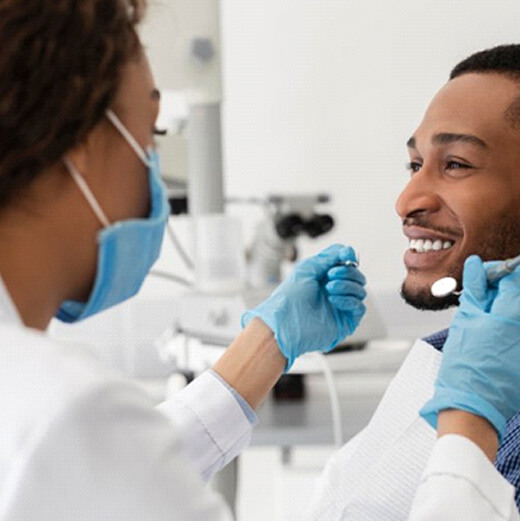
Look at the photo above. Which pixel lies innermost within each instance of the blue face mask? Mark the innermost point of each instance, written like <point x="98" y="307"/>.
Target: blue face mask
<point x="127" y="249"/>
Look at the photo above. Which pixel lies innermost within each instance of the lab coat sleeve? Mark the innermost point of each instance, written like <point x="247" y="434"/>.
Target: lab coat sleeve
<point x="110" y="455"/>
<point x="213" y="425"/>
<point x="461" y="484"/>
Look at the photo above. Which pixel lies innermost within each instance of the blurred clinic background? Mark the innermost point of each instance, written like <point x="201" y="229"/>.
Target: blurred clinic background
<point x="285" y="127"/>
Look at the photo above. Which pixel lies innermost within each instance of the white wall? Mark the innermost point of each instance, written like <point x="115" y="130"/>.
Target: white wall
<point x="323" y="94"/>
<point x="320" y="95"/>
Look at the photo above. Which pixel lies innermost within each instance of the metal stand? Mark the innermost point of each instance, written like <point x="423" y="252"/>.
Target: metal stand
<point x="205" y="185"/>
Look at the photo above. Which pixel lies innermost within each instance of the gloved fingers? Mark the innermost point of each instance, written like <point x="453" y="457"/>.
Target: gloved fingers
<point x="349" y="254"/>
<point x="347" y="273"/>
<point x="507" y="301"/>
<point x="332" y="250"/>
<point x="318" y="265"/>
<point x="491" y="264"/>
<point x="346" y="288"/>
<point x="346" y="303"/>
<point x="474" y="283"/>
<point x="358" y="313"/>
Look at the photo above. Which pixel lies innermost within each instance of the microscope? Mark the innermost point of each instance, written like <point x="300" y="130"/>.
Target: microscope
<point x="213" y="317"/>
<point x="288" y="217"/>
<point x="191" y="81"/>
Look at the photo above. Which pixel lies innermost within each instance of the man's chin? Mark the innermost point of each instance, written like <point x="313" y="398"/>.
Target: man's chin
<point x="424" y="300"/>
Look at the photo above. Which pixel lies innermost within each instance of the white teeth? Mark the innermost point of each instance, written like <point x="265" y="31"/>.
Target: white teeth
<point x="426" y="245"/>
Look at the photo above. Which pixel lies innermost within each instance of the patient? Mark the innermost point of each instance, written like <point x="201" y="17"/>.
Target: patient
<point x="462" y="199"/>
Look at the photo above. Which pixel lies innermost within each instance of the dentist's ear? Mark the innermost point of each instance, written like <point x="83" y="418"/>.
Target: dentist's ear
<point x="78" y="158"/>
<point x="86" y="155"/>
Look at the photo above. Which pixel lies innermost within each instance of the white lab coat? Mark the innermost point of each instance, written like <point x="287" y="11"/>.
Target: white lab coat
<point x="78" y="443"/>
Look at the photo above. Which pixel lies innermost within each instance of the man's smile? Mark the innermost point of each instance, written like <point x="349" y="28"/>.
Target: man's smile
<point x="427" y="247"/>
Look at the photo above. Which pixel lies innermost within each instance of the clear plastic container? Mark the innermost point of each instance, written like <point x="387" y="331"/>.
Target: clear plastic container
<point x="219" y="253"/>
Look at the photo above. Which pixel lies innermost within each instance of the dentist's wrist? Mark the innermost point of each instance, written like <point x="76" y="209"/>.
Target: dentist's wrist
<point x="253" y="363"/>
<point x="475" y="428"/>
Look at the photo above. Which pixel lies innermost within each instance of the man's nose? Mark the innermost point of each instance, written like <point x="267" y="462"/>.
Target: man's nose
<point x="419" y="196"/>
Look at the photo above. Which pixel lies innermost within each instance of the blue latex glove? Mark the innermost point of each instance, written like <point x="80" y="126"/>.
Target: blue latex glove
<point x="310" y="311"/>
<point x="480" y="369"/>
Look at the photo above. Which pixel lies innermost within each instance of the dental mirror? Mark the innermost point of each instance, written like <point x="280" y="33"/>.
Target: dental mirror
<point x="444" y="287"/>
<point x="447" y="285"/>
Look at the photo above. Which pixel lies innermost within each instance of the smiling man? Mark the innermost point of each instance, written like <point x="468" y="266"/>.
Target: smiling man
<point x="464" y="192"/>
<point x="463" y="198"/>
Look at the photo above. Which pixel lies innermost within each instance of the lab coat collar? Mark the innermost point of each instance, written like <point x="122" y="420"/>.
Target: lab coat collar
<point x="8" y="312"/>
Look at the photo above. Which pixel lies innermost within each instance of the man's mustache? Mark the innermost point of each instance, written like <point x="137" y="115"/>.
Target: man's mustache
<point x="424" y="223"/>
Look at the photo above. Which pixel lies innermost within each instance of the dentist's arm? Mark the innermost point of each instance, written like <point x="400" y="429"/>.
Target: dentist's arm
<point x="460" y="482"/>
<point x="475" y="428"/>
<point x="316" y="307"/>
<point x="253" y="363"/>
<point x="477" y="391"/>
<point x="313" y="310"/>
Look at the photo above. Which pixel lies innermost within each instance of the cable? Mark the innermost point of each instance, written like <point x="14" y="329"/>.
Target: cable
<point x="337" y="428"/>
<point x="177" y="245"/>
<point x="172" y="278"/>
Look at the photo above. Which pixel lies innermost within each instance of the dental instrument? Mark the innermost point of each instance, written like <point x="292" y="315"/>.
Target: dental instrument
<point x="447" y="285"/>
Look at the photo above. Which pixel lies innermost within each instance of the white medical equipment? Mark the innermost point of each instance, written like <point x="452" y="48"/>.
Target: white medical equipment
<point x="182" y="40"/>
<point x="183" y="43"/>
<point x="287" y="217"/>
<point x="447" y="285"/>
<point x="214" y="316"/>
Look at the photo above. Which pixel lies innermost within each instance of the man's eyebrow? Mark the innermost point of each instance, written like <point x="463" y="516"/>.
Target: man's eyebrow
<point x="446" y="138"/>
<point x="156" y="94"/>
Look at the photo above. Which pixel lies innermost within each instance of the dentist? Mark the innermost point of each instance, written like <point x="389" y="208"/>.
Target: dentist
<point x="82" y="217"/>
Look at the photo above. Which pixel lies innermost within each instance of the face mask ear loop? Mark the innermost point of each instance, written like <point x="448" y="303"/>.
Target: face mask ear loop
<point x="136" y="147"/>
<point x="85" y="190"/>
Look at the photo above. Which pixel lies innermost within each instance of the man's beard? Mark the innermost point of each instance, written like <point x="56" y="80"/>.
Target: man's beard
<point x="499" y="241"/>
<point x="424" y="300"/>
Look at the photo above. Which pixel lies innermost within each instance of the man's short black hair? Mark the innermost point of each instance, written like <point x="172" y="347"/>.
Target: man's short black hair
<point x="504" y="59"/>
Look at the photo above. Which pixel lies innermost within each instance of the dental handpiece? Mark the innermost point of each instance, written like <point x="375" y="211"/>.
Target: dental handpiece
<point x="447" y="285"/>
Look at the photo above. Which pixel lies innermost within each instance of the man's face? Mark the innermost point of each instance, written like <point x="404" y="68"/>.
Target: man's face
<point x="464" y="191"/>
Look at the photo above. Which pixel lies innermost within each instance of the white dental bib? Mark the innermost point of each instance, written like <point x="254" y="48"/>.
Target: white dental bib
<point x="374" y="477"/>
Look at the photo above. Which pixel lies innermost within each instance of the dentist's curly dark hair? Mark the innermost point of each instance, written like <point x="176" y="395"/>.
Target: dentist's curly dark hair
<point x="60" y="67"/>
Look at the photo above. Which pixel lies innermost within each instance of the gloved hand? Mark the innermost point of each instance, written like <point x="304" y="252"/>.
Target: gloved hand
<point x="480" y="369"/>
<point x="309" y="311"/>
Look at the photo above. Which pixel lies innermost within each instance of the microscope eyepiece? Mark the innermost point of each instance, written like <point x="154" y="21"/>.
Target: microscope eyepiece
<point x="319" y="225"/>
